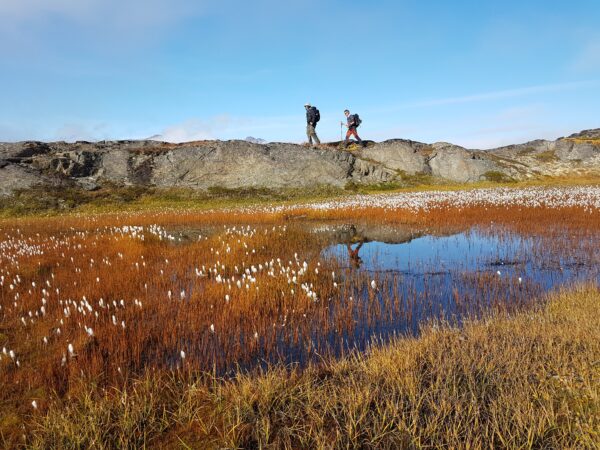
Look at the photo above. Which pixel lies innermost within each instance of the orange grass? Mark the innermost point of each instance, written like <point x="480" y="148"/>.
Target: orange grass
<point x="527" y="381"/>
<point x="83" y="257"/>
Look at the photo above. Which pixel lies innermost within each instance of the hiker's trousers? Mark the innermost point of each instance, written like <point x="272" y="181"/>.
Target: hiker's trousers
<point x="352" y="132"/>
<point x="312" y="134"/>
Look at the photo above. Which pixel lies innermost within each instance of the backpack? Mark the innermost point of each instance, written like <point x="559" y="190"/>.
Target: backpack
<point x="317" y="114"/>
<point x="357" y="120"/>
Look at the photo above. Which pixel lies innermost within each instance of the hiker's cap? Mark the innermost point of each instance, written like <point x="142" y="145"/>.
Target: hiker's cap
<point x="307" y="104"/>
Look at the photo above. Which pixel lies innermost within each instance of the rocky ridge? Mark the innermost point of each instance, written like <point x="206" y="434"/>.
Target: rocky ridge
<point x="241" y="164"/>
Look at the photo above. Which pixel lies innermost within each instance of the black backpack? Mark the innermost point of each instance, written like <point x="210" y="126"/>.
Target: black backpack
<point x="357" y="120"/>
<point x="317" y="114"/>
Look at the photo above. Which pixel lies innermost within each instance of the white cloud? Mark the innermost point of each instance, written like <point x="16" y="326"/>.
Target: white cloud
<point x="230" y="127"/>
<point x="190" y="130"/>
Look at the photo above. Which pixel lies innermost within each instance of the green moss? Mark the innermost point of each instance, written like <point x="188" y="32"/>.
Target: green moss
<point x="526" y="151"/>
<point x="418" y="179"/>
<point x="498" y="177"/>
<point x="44" y="201"/>
<point x="547" y="156"/>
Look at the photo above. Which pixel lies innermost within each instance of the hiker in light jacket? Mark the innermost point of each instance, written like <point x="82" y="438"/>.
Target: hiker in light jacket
<point x="312" y="117"/>
<point x="352" y="122"/>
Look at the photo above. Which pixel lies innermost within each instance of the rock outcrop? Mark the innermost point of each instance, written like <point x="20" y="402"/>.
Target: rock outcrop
<point x="241" y="164"/>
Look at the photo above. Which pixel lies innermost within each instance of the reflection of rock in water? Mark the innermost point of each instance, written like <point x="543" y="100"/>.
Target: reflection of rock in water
<point x="367" y="232"/>
<point x="329" y="232"/>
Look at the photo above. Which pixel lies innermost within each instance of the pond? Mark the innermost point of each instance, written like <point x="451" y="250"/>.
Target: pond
<point x="464" y="274"/>
<point x="411" y="278"/>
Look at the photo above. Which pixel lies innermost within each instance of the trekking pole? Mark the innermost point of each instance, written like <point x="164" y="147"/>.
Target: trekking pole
<point x="341" y="131"/>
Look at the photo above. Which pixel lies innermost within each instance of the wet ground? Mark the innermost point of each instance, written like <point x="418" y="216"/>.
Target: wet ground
<point x="237" y="297"/>
<point x="395" y="279"/>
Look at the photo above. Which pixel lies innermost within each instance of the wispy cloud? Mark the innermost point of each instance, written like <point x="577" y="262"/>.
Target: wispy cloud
<point x="493" y="95"/>
<point x="509" y="93"/>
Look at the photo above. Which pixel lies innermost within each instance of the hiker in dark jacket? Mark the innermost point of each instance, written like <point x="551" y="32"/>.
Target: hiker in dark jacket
<point x="312" y="117"/>
<point x="352" y="121"/>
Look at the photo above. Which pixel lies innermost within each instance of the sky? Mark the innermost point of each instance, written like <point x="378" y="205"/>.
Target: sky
<point x="479" y="74"/>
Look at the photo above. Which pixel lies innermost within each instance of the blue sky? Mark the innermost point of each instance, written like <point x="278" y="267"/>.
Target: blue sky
<point x="476" y="73"/>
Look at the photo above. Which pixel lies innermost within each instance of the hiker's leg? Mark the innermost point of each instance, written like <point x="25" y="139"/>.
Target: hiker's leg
<point x="352" y="132"/>
<point x="348" y="134"/>
<point x="312" y="134"/>
<point x="358" y="138"/>
<point x="317" y="141"/>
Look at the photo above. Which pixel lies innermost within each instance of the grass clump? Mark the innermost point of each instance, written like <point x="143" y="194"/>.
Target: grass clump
<point x="547" y="156"/>
<point x="370" y="188"/>
<point x="498" y="177"/>
<point x="109" y="198"/>
<point x="585" y="140"/>
<point x="418" y="179"/>
<point x="526" y="151"/>
<point x="527" y="381"/>
<point x="60" y="199"/>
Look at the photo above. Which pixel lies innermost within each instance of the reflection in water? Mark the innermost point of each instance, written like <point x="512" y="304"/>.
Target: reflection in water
<point x="419" y="278"/>
<point x="355" y="260"/>
<point x="469" y="251"/>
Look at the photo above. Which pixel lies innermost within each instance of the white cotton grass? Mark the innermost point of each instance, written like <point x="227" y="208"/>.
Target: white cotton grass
<point x="587" y="197"/>
<point x="294" y="282"/>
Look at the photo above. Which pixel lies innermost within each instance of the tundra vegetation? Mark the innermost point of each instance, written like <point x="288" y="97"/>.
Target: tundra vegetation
<point x="229" y="327"/>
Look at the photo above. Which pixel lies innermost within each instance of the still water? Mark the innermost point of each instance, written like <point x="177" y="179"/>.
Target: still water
<point x="393" y="282"/>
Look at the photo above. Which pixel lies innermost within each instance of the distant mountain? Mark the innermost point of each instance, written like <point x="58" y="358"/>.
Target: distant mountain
<point x="254" y="140"/>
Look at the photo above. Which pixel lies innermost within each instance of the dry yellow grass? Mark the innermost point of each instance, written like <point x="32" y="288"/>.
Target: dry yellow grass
<point x="584" y="140"/>
<point x="527" y="381"/>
